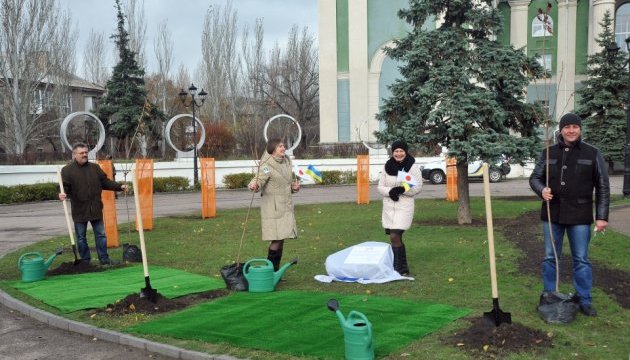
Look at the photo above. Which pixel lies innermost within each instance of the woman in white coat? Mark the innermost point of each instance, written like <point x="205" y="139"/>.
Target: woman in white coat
<point x="275" y="180"/>
<point x="398" y="202"/>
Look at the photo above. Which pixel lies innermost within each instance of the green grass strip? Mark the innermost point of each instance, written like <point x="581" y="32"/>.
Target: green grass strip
<point x="299" y="323"/>
<point x="70" y="293"/>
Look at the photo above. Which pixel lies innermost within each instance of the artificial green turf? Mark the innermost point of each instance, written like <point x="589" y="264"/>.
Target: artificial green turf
<point x="299" y="323"/>
<point x="70" y="293"/>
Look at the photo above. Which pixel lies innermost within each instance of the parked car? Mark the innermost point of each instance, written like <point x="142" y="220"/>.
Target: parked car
<point x="435" y="172"/>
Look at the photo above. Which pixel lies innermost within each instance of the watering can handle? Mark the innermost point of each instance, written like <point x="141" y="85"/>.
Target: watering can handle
<point x="246" y="266"/>
<point x="28" y="253"/>
<point x="354" y="314"/>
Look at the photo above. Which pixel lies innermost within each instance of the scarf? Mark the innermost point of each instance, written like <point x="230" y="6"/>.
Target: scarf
<point x="392" y="166"/>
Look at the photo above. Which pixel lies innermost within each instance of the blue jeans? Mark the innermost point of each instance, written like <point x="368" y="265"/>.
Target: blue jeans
<point x="579" y="238"/>
<point x="80" y="229"/>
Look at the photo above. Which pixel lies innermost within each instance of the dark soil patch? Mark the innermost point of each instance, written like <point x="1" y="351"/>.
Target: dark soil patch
<point x="134" y="304"/>
<point x="526" y="233"/>
<point x="68" y="268"/>
<point x="484" y="339"/>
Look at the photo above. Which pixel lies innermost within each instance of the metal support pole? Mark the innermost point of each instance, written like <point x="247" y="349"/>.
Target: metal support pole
<point x="626" y="165"/>
<point x="194" y="123"/>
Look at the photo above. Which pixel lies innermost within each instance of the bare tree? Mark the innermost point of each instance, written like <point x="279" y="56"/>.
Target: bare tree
<point x="36" y="62"/>
<point x="220" y="63"/>
<point x="137" y="28"/>
<point x="163" y="47"/>
<point x="250" y="121"/>
<point x="291" y="82"/>
<point x="95" y="67"/>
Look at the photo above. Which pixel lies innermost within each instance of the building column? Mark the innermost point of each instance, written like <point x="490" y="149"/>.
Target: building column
<point x="520" y="23"/>
<point x="358" y="64"/>
<point x="565" y="73"/>
<point x="328" y="117"/>
<point x="597" y="9"/>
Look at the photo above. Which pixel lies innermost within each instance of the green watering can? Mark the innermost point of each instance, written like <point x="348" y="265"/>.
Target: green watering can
<point x="357" y="333"/>
<point x="33" y="267"/>
<point x="261" y="278"/>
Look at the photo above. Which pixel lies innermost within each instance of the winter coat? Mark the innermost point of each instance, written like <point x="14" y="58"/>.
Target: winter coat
<point x="83" y="186"/>
<point x="398" y="214"/>
<point x="573" y="174"/>
<point x="276" y="208"/>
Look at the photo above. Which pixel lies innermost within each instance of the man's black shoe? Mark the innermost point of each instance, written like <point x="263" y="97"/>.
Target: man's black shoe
<point x="109" y="262"/>
<point x="588" y="310"/>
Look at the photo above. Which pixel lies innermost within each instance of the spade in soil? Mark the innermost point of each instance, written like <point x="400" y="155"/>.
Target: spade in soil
<point x="496" y="315"/>
<point x="146" y="292"/>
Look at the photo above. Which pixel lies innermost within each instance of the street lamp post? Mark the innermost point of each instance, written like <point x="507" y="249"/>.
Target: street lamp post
<point x="612" y="50"/>
<point x="183" y="96"/>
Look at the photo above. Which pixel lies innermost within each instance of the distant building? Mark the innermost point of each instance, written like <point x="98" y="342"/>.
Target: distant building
<point x="81" y="95"/>
<point x="355" y="72"/>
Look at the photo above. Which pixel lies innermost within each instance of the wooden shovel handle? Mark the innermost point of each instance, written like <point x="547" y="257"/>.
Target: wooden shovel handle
<point x="136" y="199"/>
<point x="65" y="208"/>
<point x="493" y="270"/>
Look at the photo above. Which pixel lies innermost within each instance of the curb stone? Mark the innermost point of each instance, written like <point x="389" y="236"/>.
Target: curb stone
<point x="105" y="334"/>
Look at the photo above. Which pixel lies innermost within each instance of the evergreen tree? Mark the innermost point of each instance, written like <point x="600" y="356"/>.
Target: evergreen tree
<point x="461" y="89"/>
<point x="605" y="94"/>
<point x="126" y="96"/>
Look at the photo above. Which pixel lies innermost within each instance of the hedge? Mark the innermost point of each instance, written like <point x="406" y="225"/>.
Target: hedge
<point x="49" y="191"/>
<point x="237" y="181"/>
<point x="170" y="184"/>
<point x="28" y="193"/>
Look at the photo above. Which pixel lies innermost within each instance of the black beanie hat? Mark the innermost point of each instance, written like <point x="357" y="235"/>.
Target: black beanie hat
<point x="570" y="118"/>
<point x="399" y="144"/>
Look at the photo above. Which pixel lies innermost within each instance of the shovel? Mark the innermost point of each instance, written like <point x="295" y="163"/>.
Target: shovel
<point x="147" y="292"/>
<point x="68" y="222"/>
<point x="496" y="316"/>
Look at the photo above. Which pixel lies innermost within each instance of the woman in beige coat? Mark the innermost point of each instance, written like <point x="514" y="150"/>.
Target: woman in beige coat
<point x="398" y="203"/>
<point x="275" y="180"/>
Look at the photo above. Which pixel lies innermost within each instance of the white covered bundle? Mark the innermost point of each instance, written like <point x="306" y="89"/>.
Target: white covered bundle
<point x="365" y="263"/>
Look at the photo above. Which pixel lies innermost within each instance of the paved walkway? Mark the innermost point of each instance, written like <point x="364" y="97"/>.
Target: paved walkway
<point x="40" y="335"/>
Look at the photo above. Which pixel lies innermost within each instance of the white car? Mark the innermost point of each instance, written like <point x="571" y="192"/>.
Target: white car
<point x="435" y="172"/>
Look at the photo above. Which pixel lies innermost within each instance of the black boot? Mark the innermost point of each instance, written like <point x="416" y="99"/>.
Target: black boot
<point x="275" y="256"/>
<point x="400" y="260"/>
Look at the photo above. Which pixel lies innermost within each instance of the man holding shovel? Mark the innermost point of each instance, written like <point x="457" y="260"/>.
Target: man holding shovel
<point x="83" y="183"/>
<point x="565" y="176"/>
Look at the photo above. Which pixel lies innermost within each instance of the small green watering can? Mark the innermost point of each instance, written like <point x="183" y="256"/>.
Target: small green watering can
<point x="261" y="278"/>
<point x="357" y="333"/>
<point x="33" y="267"/>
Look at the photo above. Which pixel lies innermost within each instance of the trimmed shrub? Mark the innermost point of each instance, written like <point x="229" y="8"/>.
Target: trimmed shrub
<point x="336" y="177"/>
<point x="237" y="181"/>
<point x="28" y="193"/>
<point x="170" y="184"/>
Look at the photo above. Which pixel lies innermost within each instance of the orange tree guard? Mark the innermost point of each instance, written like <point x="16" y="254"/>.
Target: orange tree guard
<point x="363" y="179"/>
<point x="451" y="179"/>
<point x="144" y="172"/>
<point x="109" y="207"/>
<point x="208" y="189"/>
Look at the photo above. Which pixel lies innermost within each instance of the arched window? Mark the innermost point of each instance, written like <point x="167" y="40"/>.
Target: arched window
<point x="622" y="25"/>
<point x="542" y="25"/>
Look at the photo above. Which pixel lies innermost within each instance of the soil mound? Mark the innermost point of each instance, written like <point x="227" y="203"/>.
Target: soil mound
<point x="484" y="339"/>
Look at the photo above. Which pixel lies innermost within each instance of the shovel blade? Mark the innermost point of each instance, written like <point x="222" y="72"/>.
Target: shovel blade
<point x="496" y="315"/>
<point x="148" y="292"/>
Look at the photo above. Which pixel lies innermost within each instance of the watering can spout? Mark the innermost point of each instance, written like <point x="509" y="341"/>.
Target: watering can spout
<point x="278" y="274"/>
<point x="333" y="305"/>
<point x="51" y="258"/>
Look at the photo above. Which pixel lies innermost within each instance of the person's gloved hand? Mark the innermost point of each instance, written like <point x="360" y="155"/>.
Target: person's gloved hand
<point x="394" y="193"/>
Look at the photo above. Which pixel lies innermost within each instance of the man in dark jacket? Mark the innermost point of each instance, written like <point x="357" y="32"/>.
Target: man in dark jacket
<point x="83" y="183"/>
<point x="575" y="170"/>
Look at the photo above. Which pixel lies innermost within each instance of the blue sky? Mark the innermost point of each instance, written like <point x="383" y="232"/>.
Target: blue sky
<point x="185" y="19"/>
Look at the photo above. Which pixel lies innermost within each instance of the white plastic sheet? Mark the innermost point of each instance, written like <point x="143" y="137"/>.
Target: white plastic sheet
<point x="366" y="263"/>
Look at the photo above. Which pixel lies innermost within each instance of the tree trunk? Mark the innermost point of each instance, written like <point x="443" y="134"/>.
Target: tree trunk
<point x="463" y="203"/>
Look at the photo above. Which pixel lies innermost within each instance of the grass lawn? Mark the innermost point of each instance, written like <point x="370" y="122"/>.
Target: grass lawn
<point x="449" y="263"/>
